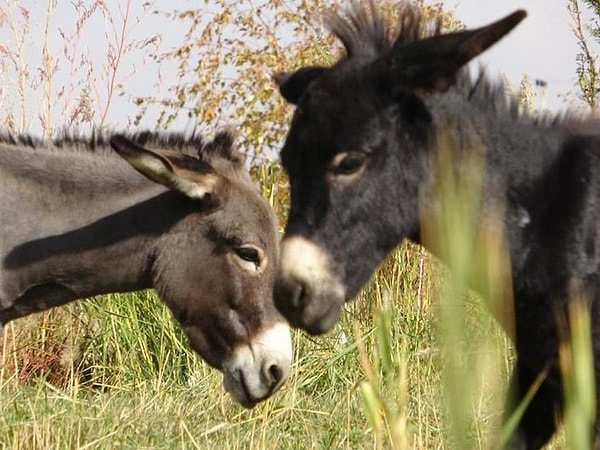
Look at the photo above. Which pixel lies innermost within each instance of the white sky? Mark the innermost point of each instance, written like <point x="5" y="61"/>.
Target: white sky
<point x="542" y="46"/>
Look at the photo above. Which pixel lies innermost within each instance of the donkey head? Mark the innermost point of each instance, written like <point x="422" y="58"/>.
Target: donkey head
<point x="356" y="154"/>
<point x="215" y="268"/>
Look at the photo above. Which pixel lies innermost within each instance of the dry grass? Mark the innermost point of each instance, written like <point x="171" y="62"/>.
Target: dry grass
<point x="115" y="372"/>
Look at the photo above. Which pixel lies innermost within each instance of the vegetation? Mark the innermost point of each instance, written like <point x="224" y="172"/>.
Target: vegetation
<point x="115" y="372"/>
<point x="416" y="362"/>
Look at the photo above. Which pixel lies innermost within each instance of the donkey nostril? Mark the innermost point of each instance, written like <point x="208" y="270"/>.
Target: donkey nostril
<point x="290" y="296"/>
<point x="275" y="374"/>
<point x="298" y="295"/>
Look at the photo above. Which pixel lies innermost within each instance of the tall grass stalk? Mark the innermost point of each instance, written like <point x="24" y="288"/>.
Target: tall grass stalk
<point x="384" y="391"/>
<point x="577" y="366"/>
<point x="470" y="241"/>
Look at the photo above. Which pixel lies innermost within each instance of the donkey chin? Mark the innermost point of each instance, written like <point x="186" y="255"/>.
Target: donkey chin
<point x="258" y="369"/>
<point x="307" y="293"/>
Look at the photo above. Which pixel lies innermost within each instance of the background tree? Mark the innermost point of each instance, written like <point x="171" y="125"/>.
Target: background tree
<point x="230" y="52"/>
<point x="588" y="75"/>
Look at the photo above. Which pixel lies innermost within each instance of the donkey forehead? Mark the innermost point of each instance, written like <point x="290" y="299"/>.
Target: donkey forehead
<point x="342" y="86"/>
<point x="247" y="216"/>
<point x="346" y="93"/>
<point x="329" y="121"/>
<point x="247" y="227"/>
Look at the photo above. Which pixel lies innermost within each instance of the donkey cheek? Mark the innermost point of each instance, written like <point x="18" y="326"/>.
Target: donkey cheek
<point x="237" y="327"/>
<point x="200" y="345"/>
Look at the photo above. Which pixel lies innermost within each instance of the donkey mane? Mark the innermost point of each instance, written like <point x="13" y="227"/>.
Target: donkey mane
<point x="367" y="33"/>
<point x="191" y="144"/>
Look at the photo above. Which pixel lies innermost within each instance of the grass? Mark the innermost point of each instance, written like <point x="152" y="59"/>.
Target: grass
<point x="115" y="372"/>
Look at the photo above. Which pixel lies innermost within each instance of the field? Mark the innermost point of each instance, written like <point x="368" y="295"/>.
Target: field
<point x="115" y="372"/>
<point x="417" y="361"/>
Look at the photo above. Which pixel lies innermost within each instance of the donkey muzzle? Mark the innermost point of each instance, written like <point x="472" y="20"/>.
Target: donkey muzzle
<point x="258" y="369"/>
<point x="307" y="293"/>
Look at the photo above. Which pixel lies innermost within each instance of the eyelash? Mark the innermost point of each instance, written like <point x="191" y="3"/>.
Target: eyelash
<point x="249" y="254"/>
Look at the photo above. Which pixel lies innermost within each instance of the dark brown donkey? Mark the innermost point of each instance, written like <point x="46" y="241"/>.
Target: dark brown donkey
<point x="361" y="155"/>
<point x="77" y="220"/>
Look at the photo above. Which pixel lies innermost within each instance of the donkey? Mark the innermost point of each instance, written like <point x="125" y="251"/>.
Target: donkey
<point x="77" y="220"/>
<point x="359" y="156"/>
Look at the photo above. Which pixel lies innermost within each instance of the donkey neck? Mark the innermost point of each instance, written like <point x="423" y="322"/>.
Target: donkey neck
<point x="75" y="224"/>
<point x="516" y="146"/>
<point x="519" y="150"/>
<point x="531" y="168"/>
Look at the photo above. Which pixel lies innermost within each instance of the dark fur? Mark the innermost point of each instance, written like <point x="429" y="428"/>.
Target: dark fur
<point x="388" y="99"/>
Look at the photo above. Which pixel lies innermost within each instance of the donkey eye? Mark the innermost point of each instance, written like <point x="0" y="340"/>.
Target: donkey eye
<point x="249" y="254"/>
<point x="348" y="163"/>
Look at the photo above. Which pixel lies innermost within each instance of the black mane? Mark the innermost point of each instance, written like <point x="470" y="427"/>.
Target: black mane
<point x="367" y="34"/>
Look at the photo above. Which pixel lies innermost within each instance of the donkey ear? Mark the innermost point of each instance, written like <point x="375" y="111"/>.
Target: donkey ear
<point x="194" y="179"/>
<point x="432" y="63"/>
<point x="292" y="86"/>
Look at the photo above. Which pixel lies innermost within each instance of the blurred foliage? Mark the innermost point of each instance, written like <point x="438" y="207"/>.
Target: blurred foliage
<point x="230" y="53"/>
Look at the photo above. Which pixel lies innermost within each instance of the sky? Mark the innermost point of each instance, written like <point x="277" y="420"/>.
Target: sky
<point x="542" y="46"/>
